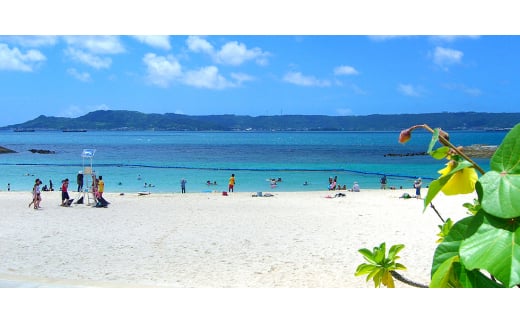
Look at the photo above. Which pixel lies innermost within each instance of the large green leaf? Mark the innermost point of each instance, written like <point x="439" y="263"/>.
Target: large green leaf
<point x="507" y="156"/>
<point x="494" y="247"/>
<point x="445" y="275"/>
<point x="474" y="278"/>
<point x="501" y="194"/>
<point x="501" y="185"/>
<point x="449" y="247"/>
<point x="447" y="271"/>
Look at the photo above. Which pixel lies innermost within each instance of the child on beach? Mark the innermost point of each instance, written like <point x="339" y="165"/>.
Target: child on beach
<point x="36" y="194"/>
<point x="231" y="183"/>
<point x="417" y="185"/>
<point x="64" y="192"/>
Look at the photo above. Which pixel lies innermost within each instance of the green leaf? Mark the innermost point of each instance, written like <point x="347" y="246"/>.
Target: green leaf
<point x="440" y="153"/>
<point x="435" y="138"/>
<point x="364" y="269"/>
<point x="394" y="250"/>
<point x="507" y="156"/>
<point x="452" y="274"/>
<point x="444" y="275"/>
<point x="367" y="254"/>
<point x="494" y="247"/>
<point x="434" y="189"/>
<point x="501" y="192"/>
<point x="475" y="279"/>
<point x="399" y="266"/>
<point x="380" y="253"/>
<point x="501" y="185"/>
<point x="449" y="247"/>
<point x="445" y="230"/>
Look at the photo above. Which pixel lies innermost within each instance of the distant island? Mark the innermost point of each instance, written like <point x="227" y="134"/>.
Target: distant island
<point x="133" y="120"/>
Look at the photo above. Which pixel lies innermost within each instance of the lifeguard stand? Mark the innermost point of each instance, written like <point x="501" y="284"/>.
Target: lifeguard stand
<point x="88" y="173"/>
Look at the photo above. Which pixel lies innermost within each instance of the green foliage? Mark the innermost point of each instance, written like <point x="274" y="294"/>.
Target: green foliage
<point x="481" y="250"/>
<point x="380" y="265"/>
<point x="472" y="208"/>
<point x="502" y="182"/>
<point x="489" y="239"/>
<point x="445" y="229"/>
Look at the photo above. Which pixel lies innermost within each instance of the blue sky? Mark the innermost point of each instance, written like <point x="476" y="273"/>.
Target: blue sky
<point x="252" y="74"/>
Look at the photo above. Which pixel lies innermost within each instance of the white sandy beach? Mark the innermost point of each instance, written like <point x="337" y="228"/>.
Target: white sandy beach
<point x="292" y="239"/>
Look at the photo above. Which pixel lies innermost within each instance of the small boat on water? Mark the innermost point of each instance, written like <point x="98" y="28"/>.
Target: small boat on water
<point x="74" y="130"/>
<point x="23" y="130"/>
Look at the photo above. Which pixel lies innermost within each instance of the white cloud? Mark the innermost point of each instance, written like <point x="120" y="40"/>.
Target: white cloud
<point x="31" y="41"/>
<point x="83" y="77"/>
<point x="15" y="60"/>
<point x="446" y="56"/>
<point x="232" y="53"/>
<point x="95" y="61"/>
<point x="241" y="77"/>
<point x="162" y="70"/>
<point x="298" y="78"/>
<point x="408" y="90"/>
<point x="451" y="38"/>
<point x="161" y="42"/>
<point x="207" y="77"/>
<point x="97" y="44"/>
<point x="345" y="70"/>
<point x="198" y="44"/>
<point x="464" y="89"/>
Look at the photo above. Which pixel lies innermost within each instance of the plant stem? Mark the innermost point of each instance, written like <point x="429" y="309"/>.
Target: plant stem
<point x="400" y="278"/>
<point x="433" y="207"/>
<point x="457" y="150"/>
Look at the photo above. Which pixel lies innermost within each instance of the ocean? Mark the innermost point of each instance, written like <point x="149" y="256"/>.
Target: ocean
<point x="156" y="161"/>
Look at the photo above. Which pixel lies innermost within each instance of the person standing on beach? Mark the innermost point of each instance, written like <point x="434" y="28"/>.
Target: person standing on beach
<point x="417" y="185"/>
<point x="383" y="182"/>
<point x="183" y="185"/>
<point x="64" y="192"/>
<point x="101" y="186"/>
<point x="80" y="181"/>
<point x="36" y="194"/>
<point x="231" y="185"/>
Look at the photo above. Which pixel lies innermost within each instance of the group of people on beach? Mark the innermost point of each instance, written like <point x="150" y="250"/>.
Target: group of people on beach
<point x="98" y="187"/>
<point x="231" y="184"/>
<point x="333" y="185"/>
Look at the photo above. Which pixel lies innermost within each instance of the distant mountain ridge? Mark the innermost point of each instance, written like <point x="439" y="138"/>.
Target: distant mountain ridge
<point x="134" y="120"/>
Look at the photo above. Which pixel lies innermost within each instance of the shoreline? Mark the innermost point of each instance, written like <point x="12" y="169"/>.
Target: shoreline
<point x="174" y="240"/>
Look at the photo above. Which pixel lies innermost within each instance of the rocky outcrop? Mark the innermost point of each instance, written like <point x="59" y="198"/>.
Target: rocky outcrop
<point x="41" y="151"/>
<point x="480" y="151"/>
<point x="4" y="150"/>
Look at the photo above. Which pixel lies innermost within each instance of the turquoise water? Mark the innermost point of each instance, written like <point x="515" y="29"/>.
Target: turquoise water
<point x="128" y="160"/>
